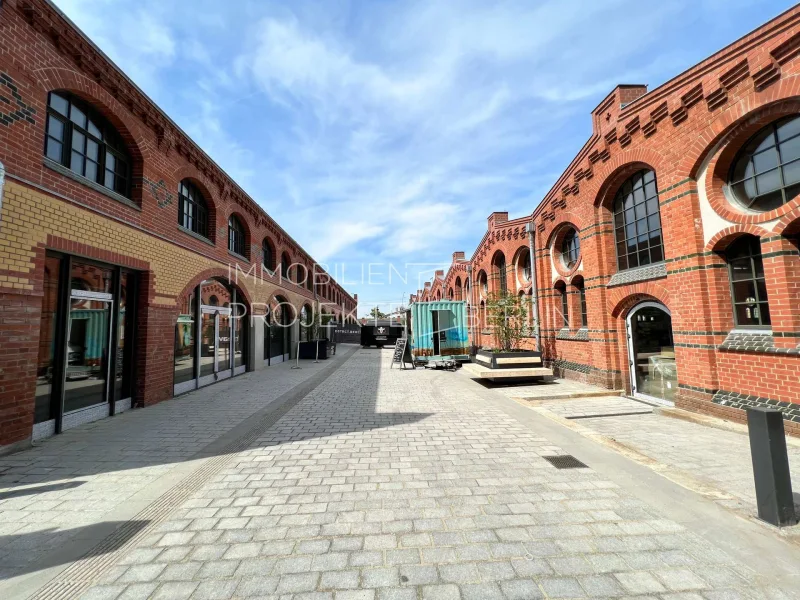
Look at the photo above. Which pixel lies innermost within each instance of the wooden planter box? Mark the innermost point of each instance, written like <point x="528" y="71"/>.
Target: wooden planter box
<point x="526" y="359"/>
<point x="308" y="350"/>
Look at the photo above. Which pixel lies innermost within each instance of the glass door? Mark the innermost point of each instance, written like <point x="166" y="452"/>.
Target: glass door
<point x="654" y="373"/>
<point x="215" y="344"/>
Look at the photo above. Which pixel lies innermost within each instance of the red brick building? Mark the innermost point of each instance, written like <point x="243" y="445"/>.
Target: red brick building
<point x="666" y="254"/>
<point x="132" y="268"/>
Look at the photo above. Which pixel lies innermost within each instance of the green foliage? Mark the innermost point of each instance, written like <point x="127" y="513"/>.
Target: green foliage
<point x="507" y="315"/>
<point x="376" y="313"/>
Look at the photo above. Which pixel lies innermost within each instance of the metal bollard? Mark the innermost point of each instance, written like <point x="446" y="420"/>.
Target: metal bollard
<point x="770" y="466"/>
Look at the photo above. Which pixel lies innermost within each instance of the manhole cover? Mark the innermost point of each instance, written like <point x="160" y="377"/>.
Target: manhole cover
<point x="566" y="461"/>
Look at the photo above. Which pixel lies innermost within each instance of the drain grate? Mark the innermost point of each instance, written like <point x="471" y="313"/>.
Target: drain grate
<point x="566" y="461"/>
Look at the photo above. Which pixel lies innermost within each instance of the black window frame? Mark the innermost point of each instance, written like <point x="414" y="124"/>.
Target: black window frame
<point x="584" y="311"/>
<point x="236" y="236"/>
<point x="645" y="223"/>
<point x="570" y="248"/>
<point x="192" y="208"/>
<point x="111" y="150"/>
<point x="267" y="255"/>
<point x="562" y="289"/>
<point x="749" y="152"/>
<point x="747" y="250"/>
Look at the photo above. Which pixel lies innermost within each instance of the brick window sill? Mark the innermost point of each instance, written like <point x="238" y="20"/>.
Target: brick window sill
<point x="195" y="235"/>
<point x="579" y="335"/>
<point x="757" y="341"/>
<point x="637" y="274"/>
<point x="62" y="170"/>
<point x="238" y="256"/>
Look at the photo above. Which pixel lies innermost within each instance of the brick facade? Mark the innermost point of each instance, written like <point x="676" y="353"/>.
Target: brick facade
<point x="687" y="132"/>
<point x="46" y="207"/>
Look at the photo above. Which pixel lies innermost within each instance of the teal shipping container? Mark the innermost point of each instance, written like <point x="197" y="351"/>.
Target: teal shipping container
<point x="439" y="329"/>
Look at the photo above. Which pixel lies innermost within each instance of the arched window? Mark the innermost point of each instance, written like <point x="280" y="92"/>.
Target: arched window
<point x="766" y="172"/>
<point x="525" y="266"/>
<point x="748" y="289"/>
<point x="192" y="209"/>
<point x="483" y="285"/>
<point x="499" y="271"/>
<point x="235" y="235"/>
<point x="570" y="248"/>
<point x="81" y="139"/>
<point x="286" y="262"/>
<point x="268" y="254"/>
<point x="451" y="294"/>
<point x="637" y="222"/>
<point x="561" y="288"/>
<point x="578" y="284"/>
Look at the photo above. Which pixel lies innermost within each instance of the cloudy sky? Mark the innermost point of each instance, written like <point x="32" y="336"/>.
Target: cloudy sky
<point x="385" y="131"/>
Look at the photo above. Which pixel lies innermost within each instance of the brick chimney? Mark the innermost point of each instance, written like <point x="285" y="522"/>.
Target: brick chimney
<point x="439" y="274"/>
<point x="496" y="218"/>
<point x="427" y="285"/>
<point x="457" y="256"/>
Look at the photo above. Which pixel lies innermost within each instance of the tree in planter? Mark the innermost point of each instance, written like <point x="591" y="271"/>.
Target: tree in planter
<point x="507" y="315"/>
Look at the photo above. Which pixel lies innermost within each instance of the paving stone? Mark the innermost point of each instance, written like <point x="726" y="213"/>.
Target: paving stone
<point x="215" y="590"/>
<point x="441" y="592"/>
<point x="520" y="589"/>
<point x="562" y="587"/>
<point x="339" y="580"/>
<point x="639" y="582"/>
<point x="175" y="590"/>
<point x="380" y="577"/>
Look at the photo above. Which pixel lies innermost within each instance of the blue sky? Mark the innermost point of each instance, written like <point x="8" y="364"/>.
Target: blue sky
<point x="385" y="131"/>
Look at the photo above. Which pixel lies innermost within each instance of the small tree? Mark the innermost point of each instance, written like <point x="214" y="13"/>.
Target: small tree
<point x="377" y="313"/>
<point x="507" y="315"/>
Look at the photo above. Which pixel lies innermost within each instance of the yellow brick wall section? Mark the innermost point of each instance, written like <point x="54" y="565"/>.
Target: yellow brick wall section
<point x="29" y="216"/>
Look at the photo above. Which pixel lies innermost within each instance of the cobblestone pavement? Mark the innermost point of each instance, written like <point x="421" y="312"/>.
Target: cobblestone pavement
<point x="593" y="407"/>
<point x="546" y="390"/>
<point x="713" y="457"/>
<point x="67" y="485"/>
<point x="392" y="485"/>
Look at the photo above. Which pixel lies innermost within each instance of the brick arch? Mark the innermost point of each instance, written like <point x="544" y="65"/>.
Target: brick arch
<point x="766" y="103"/>
<point x="789" y="223"/>
<point x="724" y="238"/>
<point x="732" y="130"/>
<point x="620" y="301"/>
<point x="618" y="169"/>
<point x="219" y="273"/>
<point x="53" y="79"/>
<point x="196" y="178"/>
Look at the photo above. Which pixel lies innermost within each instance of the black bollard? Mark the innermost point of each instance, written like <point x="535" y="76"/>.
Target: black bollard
<point x="770" y="466"/>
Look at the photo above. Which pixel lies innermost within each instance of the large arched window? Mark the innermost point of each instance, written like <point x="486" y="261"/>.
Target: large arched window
<point x="286" y="263"/>
<point x="748" y="289"/>
<point x="637" y="222"/>
<point x="499" y="272"/>
<point x="81" y="139"/>
<point x="561" y="289"/>
<point x="766" y="172"/>
<point x="570" y="248"/>
<point x="192" y="209"/>
<point x="268" y="254"/>
<point x="235" y="235"/>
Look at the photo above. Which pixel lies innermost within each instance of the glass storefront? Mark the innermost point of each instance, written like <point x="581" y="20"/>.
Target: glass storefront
<point x="217" y="348"/>
<point x="86" y="344"/>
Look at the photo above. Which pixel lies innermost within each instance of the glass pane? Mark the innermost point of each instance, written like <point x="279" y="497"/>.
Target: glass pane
<point x="653" y="222"/>
<point x="745" y="191"/>
<point x="641" y="243"/>
<point x="741" y="269"/>
<point x="76" y="164"/>
<point x="641" y="227"/>
<point x="644" y="257"/>
<point x="95" y="130"/>
<point x="764" y="161"/>
<point x="789" y="129"/>
<point x="791" y="192"/>
<point x="761" y="289"/>
<point x="656" y="252"/>
<point x="185" y="341"/>
<point x="55" y="128"/>
<point x="762" y="141"/>
<point x="238" y="341"/>
<point x="87" y="354"/>
<point x="110" y="161"/>
<point x="650" y="190"/>
<point x="59" y="103"/>
<point x="769" y="201"/>
<point x="77" y="116"/>
<point x="224" y="343"/>
<point x="109" y="181"/>
<point x="633" y="260"/>
<point x="790" y="150"/>
<point x="638" y="195"/>
<point x="758" y="265"/>
<point x="90" y="278"/>
<point x="91" y="170"/>
<point x="768" y="182"/>
<point x="791" y="172"/>
<point x="43" y="407"/>
<point x="622" y="261"/>
<point x="743" y="169"/>
<point x="746" y="314"/>
<point x="763" y="310"/>
<point x="630" y="230"/>
<point x="619" y="221"/>
<point x="54" y="149"/>
<point x="649" y="176"/>
<point x="92" y="150"/>
<point x="654" y="353"/>
<point x="641" y="211"/>
<point x="652" y="206"/>
<point x="121" y="185"/>
<point x="208" y="346"/>
<point x="744" y="291"/>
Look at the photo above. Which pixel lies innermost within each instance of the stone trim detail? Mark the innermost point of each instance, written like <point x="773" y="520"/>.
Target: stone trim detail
<point x="754" y="341"/>
<point x="196" y="236"/>
<point x="581" y="335"/>
<point x="656" y="271"/>
<point x="790" y="410"/>
<point x="566" y="365"/>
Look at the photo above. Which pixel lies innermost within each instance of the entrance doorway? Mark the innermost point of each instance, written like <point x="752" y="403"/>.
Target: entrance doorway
<point x="85" y="366"/>
<point x="216" y="349"/>
<point x="651" y="353"/>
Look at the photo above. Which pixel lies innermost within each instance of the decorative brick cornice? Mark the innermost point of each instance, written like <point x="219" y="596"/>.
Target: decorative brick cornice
<point x="646" y="273"/>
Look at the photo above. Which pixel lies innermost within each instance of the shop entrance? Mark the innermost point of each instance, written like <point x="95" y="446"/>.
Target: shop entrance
<point x="651" y="353"/>
<point x="209" y="336"/>
<point x="85" y="362"/>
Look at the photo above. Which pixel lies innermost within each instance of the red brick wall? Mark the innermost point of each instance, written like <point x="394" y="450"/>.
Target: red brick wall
<point x="687" y="131"/>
